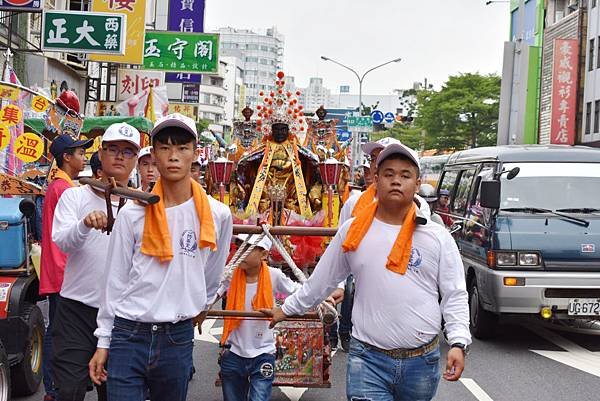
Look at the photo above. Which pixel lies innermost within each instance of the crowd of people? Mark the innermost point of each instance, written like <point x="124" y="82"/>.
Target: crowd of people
<point x="123" y="306"/>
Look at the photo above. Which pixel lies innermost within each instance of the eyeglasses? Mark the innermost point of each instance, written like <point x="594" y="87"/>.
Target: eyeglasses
<point x="114" y="151"/>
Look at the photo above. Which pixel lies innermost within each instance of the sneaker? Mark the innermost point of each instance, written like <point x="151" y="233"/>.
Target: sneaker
<point x="334" y="344"/>
<point x="345" y="342"/>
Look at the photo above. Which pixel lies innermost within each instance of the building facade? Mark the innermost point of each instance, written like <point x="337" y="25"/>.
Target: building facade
<point x="261" y="54"/>
<point x="591" y="97"/>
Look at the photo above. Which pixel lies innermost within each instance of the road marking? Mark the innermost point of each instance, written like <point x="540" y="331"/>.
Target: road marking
<point x="475" y="389"/>
<point x="293" y="393"/>
<point x="208" y="331"/>
<point x="576" y="356"/>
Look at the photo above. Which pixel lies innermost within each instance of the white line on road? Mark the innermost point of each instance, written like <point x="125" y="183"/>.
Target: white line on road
<point x="576" y="356"/>
<point x="293" y="393"/>
<point x="475" y="389"/>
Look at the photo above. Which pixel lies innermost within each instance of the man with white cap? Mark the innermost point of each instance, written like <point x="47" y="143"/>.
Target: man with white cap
<point x="79" y="221"/>
<point x="351" y="207"/>
<point x="163" y="267"/>
<point x="146" y="167"/>
<point x="408" y="275"/>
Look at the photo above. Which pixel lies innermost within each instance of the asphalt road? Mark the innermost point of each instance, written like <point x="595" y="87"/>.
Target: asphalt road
<point x="524" y="362"/>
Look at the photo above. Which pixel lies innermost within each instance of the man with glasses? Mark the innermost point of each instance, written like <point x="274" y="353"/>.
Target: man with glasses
<point x="78" y="230"/>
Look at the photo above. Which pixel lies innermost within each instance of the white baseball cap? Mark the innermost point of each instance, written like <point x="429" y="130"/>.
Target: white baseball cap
<point x="122" y="132"/>
<point x="144" y="152"/>
<point x="380" y="144"/>
<point x="175" y="120"/>
<point x="265" y="243"/>
<point x="398" y="148"/>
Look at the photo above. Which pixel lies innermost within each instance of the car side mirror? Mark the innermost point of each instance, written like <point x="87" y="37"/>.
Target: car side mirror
<point x="490" y="194"/>
<point x="27" y="207"/>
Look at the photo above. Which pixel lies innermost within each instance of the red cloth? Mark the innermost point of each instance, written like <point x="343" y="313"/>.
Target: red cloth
<point x="53" y="260"/>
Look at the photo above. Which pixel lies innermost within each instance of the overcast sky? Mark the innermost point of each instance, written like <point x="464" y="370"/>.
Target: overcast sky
<point x="434" y="38"/>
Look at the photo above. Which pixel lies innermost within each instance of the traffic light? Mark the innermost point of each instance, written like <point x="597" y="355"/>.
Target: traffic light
<point x="404" y="119"/>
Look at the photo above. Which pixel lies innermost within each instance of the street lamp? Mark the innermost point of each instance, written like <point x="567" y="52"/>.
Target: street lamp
<point x="356" y="143"/>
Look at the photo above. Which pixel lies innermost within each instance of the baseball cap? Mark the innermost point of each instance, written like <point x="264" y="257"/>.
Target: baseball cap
<point x="144" y="152"/>
<point x="380" y="144"/>
<point x="398" y="148"/>
<point x="175" y="120"/>
<point x="95" y="163"/>
<point x="61" y="143"/>
<point x="122" y="132"/>
<point x="444" y="192"/>
<point x="265" y="243"/>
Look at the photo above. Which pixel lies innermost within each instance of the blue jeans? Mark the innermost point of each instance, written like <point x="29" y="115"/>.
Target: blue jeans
<point x="374" y="376"/>
<point x="157" y="356"/>
<point x="247" y="379"/>
<point x="47" y="371"/>
<point x="346" y="311"/>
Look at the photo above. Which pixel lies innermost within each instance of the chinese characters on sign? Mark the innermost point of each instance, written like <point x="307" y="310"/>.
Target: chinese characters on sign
<point x="10" y="115"/>
<point x="191" y="93"/>
<point x="4" y="136"/>
<point x="564" y="88"/>
<point x="83" y="32"/>
<point x="39" y="104"/>
<point x="9" y="92"/>
<point x="22" y="5"/>
<point x="135" y="12"/>
<point x="185" y="16"/>
<point x="133" y="82"/>
<point x="29" y="147"/>
<point x="181" y="51"/>
<point x="187" y="110"/>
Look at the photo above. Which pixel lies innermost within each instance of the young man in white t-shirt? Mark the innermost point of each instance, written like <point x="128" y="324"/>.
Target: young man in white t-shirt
<point x="146" y="167"/>
<point x="248" y="361"/>
<point x="402" y="265"/>
<point x="164" y="265"/>
<point x="77" y="229"/>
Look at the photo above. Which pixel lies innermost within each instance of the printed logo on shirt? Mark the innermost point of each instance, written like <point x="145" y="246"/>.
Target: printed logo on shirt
<point x="266" y="370"/>
<point x="415" y="260"/>
<point x="188" y="243"/>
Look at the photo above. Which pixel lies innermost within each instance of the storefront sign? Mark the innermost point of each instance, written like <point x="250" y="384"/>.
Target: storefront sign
<point x="564" y="92"/>
<point x="181" y="51"/>
<point x="191" y="93"/>
<point x="83" y="32"/>
<point x="21" y="5"/>
<point x="132" y="82"/>
<point x="29" y="147"/>
<point x="185" y="16"/>
<point x="135" y="11"/>
<point x="187" y="110"/>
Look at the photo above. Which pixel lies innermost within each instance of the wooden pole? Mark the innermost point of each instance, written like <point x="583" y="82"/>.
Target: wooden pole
<point x="286" y="230"/>
<point x="256" y="314"/>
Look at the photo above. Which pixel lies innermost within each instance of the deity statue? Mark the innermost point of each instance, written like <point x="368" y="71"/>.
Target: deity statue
<point x="245" y="135"/>
<point x="278" y="172"/>
<point x="321" y="136"/>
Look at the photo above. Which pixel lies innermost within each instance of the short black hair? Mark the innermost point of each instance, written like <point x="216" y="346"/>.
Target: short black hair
<point x="398" y="156"/>
<point x="60" y="161"/>
<point x="173" y="136"/>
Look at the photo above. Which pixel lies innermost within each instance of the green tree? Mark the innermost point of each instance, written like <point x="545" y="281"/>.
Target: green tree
<point x="464" y="113"/>
<point x="412" y="136"/>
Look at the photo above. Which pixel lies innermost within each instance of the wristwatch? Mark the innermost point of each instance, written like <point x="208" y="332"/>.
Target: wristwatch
<point x="464" y="347"/>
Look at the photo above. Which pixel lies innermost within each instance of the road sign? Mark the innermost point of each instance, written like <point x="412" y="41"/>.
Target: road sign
<point x="343" y="136"/>
<point x="377" y="117"/>
<point x="83" y="32"/>
<point x="364" y="122"/>
<point x="389" y="117"/>
<point x="181" y="51"/>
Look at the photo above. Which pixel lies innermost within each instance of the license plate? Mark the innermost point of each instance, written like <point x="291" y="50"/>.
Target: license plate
<point x="584" y="307"/>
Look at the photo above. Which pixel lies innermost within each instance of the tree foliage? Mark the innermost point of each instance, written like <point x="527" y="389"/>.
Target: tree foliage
<point x="464" y="113"/>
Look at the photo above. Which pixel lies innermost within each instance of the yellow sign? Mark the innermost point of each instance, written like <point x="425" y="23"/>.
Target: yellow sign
<point x="9" y="92"/>
<point x="4" y="136"/>
<point x="186" y="109"/>
<point x="10" y="115"/>
<point x="135" y="10"/>
<point x="39" y="104"/>
<point x="29" y="147"/>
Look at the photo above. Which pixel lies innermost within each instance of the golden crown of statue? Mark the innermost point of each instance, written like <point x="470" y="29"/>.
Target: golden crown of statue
<point x="280" y="107"/>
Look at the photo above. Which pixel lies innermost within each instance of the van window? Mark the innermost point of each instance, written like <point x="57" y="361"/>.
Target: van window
<point x="461" y="198"/>
<point x="448" y="180"/>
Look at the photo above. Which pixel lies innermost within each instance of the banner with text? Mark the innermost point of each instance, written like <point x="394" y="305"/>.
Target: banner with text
<point x="181" y="51"/>
<point x="185" y="16"/>
<point x="132" y="82"/>
<point x="564" y="92"/>
<point x="135" y="11"/>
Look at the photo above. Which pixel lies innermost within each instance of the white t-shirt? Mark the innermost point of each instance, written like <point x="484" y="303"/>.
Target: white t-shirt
<point x="86" y="247"/>
<point x="392" y="310"/>
<point x="140" y="288"/>
<point x="253" y="337"/>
